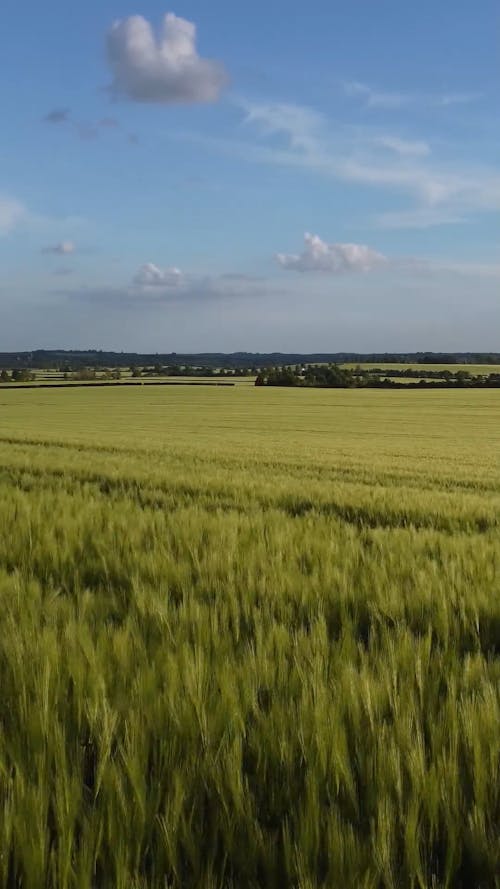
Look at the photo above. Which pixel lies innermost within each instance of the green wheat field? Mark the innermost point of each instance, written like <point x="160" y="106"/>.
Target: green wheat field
<point x="249" y="638"/>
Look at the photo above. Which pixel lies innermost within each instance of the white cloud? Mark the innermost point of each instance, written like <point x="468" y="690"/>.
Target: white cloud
<point x="150" y="275"/>
<point x="403" y="147"/>
<point x="394" y="99"/>
<point x="165" y="69"/>
<point x="64" y="248"/>
<point x="374" y="98"/>
<point x="432" y="185"/>
<point x="458" y="192"/>
<point x="360" y="156"/>
<point x="336" y="259"/>
<point x="456" y="99"/>
<point x="301" y="125"/>
<point x="318" y="256"/>
<point x="12" y="214"/>
<point x="153" y="287"/>
<point x="17" y="217"/>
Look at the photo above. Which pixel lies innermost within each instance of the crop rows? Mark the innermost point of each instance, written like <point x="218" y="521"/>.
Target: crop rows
<point x="249" y="648"/>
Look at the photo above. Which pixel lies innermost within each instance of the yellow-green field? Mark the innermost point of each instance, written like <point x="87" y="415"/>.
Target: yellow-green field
<point x="57" y="378"/>
<point x="249" y="638"/>
<point x="475" y="370"/>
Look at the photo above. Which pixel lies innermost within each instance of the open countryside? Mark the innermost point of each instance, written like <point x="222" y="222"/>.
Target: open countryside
<point x="249" y="445"/>
<point x="249" y="637"/>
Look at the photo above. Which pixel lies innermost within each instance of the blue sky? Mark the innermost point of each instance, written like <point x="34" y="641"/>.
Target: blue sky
<point x="265" y="176"/>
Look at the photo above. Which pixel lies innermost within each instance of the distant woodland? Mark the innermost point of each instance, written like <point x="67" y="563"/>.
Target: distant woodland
<point x="70" y="360"/>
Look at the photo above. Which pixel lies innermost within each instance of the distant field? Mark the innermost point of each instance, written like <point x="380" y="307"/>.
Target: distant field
<point x="474" y="369"/>
<point x="249" y="638"/>
<point x="58" y="379"/>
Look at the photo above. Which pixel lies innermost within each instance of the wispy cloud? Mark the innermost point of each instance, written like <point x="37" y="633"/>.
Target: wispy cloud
<point x="12" y="214"/>
<point x="456" y="99"/>
<point x="300" y="125"/>
<point x="433" y="186"/>
<point x="403" y="147"/>
<point x="154" y="286"/>
<point x="301" y="138"/>
<point x="17" y="217"/>
<point x="419" y="218"/>
<point x="374" y="97"/>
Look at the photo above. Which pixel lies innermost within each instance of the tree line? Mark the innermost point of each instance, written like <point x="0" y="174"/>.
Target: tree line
<point x="334" y="377"/>
<point x="18" y="375"/>
<point x="58" y="358"/>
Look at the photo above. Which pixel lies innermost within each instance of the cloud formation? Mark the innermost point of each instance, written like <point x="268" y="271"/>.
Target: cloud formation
<point x="458" y="191"/>
<point x="150" y="275"/>
<point x="454" y="190"/>
<point x="335" y="259"/>
<point x="166" y="68"/>
<point x="64" y="248"/>
<point x="12" y="213"/>
<point x="301" y="125"/>
<point x="373" y="97"/>
<point x="403" y="147"/>
<point x="153" y="287"/>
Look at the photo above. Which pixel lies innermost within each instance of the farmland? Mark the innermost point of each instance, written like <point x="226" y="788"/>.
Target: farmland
<point x="249" y="638"/>
<point x="473" y="369"/>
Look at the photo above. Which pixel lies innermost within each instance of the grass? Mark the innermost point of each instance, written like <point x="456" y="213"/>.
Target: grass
<point x="249" y="638"/>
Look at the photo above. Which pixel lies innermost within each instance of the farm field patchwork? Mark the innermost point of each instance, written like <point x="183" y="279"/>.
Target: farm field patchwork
<point x="475" y="370"/>
<point x="249" y="638"/>
<point x="42" y="379"/>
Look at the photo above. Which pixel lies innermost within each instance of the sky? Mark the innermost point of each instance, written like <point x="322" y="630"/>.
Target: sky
<point x="265" y="177"/>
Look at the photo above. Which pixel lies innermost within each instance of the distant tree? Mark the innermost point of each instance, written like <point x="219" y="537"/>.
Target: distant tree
<point x="4" y="377"/>
<point x="284" y="377"/>
<point x="21" y="375"/>
<point x="85" y="374"/>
